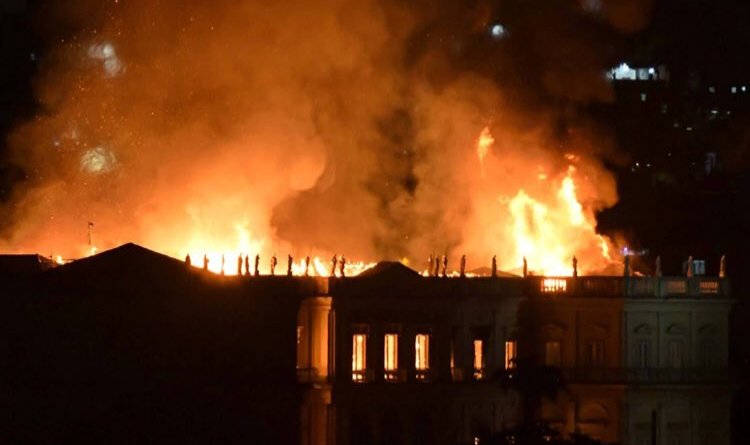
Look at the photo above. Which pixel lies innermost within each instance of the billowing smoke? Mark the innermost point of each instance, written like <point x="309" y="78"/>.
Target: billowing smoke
<point x="313" y="127"/>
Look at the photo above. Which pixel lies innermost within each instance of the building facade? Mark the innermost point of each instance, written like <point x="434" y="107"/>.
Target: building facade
<point x="394" y="357"/>
<point x="130" y="344"/>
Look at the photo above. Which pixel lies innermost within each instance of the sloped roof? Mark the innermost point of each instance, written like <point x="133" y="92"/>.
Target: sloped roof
<point x="390" y="270"/>
<point x="24" y="264"/>
<point x="126" y="263"/>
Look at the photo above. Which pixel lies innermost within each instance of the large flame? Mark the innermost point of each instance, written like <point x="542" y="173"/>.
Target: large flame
<point x="547" y="226"/>
<point x="310" y="129"/>
<point x="549" y="235"/>
<point x="484" y="142"/>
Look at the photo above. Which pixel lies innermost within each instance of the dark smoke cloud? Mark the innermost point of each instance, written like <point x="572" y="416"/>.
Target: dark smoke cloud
<point x="317" y="126"/>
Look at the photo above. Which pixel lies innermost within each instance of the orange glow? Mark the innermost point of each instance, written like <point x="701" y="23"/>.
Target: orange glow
<point x="511" y="348"/>
<point x="552" y="285"/>
<point x="359" y="351"/>
<point x="478" y="359"/>
<point x="484" y="142"/>
<point x="259" y="148"/>
<point x="422" y="352"/>
<point x="390" y="355"/>
<point x="549" y="234"/>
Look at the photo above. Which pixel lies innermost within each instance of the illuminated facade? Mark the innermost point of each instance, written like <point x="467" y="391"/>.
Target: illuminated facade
<point x="645" y="358"/>
<point x="388" y="356"/>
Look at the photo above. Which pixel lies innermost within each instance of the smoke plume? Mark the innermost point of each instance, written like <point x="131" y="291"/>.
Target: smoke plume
<point x="313" y="127"/>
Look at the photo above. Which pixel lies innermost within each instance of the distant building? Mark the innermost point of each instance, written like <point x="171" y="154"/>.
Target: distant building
<point x="130" y="336"/>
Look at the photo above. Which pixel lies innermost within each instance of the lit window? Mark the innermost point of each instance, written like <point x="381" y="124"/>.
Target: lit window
<point x="551" y="285"/>
<point x="453" y="354"/>
<point x="300" y="350"/>
<point x="478" y="359"/>
<point x="552" y="353"/>
<point x="422" y="355"/>
<point x="359" y="361"/>
<point x="643" y="97"/>
<point x="390" y="356"/>
<point x="510" y="354"/>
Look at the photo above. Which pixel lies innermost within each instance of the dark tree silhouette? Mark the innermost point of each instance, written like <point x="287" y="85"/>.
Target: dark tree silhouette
<point x="533" y="382"/>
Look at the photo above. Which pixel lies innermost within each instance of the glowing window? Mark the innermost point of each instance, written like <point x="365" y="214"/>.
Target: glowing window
<point x="552" y="353"/>
<point x="300" y="350"/>
<point x="709" y="287"/>
<point x="390" y="358"/>
<point x="510" y="353"/>
<point x="550" y="285"/>
<point x="453" y="354"/>
<point x="421" y="354"/>
<point x="359" y="361"/>
<point x="478" y="359"/>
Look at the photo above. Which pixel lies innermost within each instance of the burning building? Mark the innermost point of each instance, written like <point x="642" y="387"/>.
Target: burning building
<point x="130" y="343"/>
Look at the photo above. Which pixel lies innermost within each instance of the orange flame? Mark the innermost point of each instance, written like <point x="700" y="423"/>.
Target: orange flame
<point x="546" y="216"/>
<point x="548" y="235"/>
<point x="484" y="142"/>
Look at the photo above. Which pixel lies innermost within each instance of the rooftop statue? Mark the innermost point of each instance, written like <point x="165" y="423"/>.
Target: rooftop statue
<point x="334" y="261"/>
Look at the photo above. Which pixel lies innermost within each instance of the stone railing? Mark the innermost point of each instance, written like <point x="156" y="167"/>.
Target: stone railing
<point x="635" y="287"/>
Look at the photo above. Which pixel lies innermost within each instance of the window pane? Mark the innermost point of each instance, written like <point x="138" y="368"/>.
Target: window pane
<point x="391" y="352"/>
<point x="359" y="350"/>
<point x="478" y="358"/>
<point x="422" y="352"/>
<point x="510" y="354"/>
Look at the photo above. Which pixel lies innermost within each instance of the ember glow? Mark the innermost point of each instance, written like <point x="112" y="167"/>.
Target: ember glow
<point x="546" y="233"/>
<point x="221" y="131"/>
<point x="484" y="142"/>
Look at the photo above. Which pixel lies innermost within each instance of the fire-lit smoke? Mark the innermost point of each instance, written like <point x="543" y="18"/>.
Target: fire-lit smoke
<point x="319" y="128"/>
